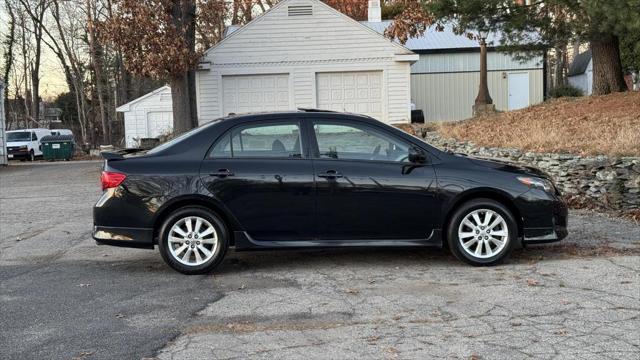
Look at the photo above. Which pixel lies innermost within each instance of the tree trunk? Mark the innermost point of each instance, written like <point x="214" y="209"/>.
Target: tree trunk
<point x="559" y="78"/>
<point x="8" y="51"/>
<point x="607" y="66"/>
<point x="95" y="54"/>
<point x="183" y="89"/>
<point x="184" y="116"/>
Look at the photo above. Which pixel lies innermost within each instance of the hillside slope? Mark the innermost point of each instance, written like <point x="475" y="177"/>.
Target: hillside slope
<point x="608" y="125"/>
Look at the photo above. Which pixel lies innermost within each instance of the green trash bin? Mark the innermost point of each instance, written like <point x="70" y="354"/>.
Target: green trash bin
<point x="58" y="147"/>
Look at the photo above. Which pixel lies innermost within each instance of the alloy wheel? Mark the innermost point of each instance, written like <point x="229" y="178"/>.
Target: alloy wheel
<point x="483" y="233"/>
<point x="193" y="241"/>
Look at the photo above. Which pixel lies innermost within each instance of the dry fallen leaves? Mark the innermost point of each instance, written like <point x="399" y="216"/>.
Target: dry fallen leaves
<point x="608" y="125"/>
<point x="532" y="282"/>
<point x="352" y="291"/>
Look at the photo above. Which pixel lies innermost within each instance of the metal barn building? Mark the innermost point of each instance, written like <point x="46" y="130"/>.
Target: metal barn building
<point x="445" y="80"/>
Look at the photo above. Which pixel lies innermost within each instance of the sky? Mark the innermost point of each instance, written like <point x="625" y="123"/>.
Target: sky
<point x="52" y="81"/>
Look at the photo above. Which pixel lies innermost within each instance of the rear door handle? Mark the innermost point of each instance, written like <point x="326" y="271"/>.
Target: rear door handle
<point x="222" y="173"/>
<point x="330" y="174"/>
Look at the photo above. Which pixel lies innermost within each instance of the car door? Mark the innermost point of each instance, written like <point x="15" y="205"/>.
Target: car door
<point x="35" y="144"/>
<point x="261" y="172"/>
<point x="366" y="186"/>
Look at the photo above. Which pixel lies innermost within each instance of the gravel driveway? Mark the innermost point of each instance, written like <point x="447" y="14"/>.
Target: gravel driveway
<point x="64" y="297"/>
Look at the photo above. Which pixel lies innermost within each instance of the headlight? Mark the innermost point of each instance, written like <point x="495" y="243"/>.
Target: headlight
<point x="537" y="183"/>
<point x="23" y="147"/>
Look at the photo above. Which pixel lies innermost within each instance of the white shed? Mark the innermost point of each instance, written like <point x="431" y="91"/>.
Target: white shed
<point x="304" y="53"/>
<point x="580" y="73"/>
<point x="3" y="135"/>
<point x="148" y="116"/>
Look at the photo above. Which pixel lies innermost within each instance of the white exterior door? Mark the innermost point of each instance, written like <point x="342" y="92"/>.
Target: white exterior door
<point x="357" y="91"/>
<point x="159" y="123"/>
<point x="255" y="93"/>
<point x="518" y="90"/>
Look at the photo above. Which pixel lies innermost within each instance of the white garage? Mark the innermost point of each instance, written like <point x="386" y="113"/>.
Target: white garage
<point x="149" y="116"/>
<point x="305" y="54"/>
<point x="253" y="93"/>
<point x="354" y="91"/>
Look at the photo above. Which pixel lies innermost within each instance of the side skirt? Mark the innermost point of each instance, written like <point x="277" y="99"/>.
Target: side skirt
<point x="243" y="241"/>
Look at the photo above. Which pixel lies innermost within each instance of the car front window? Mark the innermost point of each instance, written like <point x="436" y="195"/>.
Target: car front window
<point x="358" y="142"/>
<point x="18" y="136"/>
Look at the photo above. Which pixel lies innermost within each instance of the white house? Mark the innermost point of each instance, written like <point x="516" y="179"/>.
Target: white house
<point x="148" y="116"/>
<point x="304" y="53"/>
<point x="580" y="73"/>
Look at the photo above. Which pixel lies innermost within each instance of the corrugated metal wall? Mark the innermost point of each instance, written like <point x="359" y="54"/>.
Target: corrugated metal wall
<point x="3" y="135"/>
<point x="445" y="85"/>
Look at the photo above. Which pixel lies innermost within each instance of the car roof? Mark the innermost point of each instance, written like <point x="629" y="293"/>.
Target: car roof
<point x="301" y="112"/>
<point x="33" y="129"/>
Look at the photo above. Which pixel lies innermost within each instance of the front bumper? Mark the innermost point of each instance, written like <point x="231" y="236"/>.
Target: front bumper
<point x="124" y="237"/>
<point x="16" y="153"/>
<point x="547" y="222"/>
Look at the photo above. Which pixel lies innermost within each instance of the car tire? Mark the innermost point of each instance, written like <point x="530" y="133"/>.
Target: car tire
<point x="32" y="155"/>
<point x="190" y="248"/>
<point x="482" y="241"/>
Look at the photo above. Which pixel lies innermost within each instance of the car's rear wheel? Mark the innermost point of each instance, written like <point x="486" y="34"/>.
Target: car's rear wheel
<point x="482" y="232"/>
<point x="193" y="240"/>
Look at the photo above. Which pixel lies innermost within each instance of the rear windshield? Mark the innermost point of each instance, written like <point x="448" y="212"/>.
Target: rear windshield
<point x="19" y="136"/>
<point x="178" y="139"/>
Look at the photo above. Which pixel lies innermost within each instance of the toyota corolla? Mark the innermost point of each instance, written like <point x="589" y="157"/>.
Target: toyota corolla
<point x="318" y="179"/>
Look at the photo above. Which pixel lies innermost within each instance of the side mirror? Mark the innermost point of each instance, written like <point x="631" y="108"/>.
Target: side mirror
<point x="417" y="156"/>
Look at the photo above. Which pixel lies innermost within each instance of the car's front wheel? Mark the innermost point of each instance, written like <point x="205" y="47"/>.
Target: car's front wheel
<point x="482" y="232"/>
<point x="193" y="240"/>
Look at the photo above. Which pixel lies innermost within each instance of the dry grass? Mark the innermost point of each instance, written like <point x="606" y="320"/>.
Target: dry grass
<point x="608" y="125"/>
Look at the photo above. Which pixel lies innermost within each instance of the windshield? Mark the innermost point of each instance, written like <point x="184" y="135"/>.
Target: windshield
<point x="19" y="136"/>
<point x="176" y="140"/>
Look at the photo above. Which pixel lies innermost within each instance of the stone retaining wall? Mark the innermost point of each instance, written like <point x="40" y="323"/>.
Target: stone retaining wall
<point x="608" y="181"/>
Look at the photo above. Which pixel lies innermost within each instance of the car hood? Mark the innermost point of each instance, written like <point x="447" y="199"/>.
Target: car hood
<point x="17" y="143"/>
<point x="508" y="166"/>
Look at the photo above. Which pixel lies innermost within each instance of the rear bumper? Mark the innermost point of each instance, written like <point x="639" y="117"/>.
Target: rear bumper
<point x="124" y="237"/>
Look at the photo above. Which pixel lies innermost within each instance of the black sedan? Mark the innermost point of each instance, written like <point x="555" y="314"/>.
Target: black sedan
<point x="309" y="179"/>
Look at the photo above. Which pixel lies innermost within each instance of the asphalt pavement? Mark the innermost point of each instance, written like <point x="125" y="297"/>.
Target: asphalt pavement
<point x="64" y="297"/>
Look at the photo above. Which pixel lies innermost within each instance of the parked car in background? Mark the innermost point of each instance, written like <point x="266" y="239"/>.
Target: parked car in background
<point x="312" y="179"/>
<point x="25" y="144"/>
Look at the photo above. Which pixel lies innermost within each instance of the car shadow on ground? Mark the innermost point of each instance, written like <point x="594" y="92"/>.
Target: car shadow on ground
<point x="150" y="261"/>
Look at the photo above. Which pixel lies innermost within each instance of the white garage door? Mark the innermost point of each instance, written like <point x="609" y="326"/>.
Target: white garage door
<point x="358" y="92"/>
<point x="254" y="93"/>
<point x="159" y="123"/>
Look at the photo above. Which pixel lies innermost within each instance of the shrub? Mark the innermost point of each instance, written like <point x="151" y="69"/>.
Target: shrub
<point x="565" y="91"/>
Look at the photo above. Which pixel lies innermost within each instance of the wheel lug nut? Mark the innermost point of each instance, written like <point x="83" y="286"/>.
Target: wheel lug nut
<point x="198" y="243"/>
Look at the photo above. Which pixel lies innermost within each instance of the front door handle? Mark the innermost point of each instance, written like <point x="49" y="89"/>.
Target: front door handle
<point x="222" y="173"/>
<point x="330" y="174"/>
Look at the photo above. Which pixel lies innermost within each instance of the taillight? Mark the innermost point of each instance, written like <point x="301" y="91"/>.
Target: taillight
<point x="111" y="179"/>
